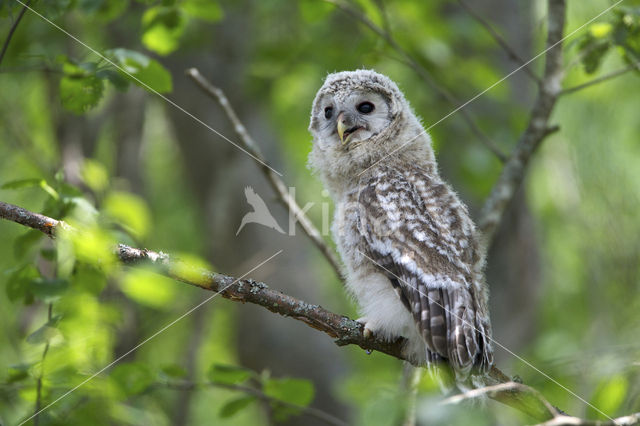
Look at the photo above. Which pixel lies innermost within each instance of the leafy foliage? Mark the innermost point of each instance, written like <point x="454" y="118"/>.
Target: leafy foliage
<point x="118" y="166"/>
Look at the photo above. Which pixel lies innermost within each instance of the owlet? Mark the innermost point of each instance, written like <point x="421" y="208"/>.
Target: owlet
<point x="410" y="250"/>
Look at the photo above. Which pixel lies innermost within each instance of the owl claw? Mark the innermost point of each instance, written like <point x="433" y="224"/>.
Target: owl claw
<point x="367" y="332"/>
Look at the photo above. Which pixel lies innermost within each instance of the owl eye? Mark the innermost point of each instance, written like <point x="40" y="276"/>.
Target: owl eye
<point x="366" y="107"/>
<point x="328" y="112"/>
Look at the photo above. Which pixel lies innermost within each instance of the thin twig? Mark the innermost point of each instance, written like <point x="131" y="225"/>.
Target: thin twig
<point x="537" y="129"/>
<point x="274" y="180"/>
<point x="5" y="46"/>
<point x="501" y="41"/>
<point x="561" y="420"/>
<point x="344" y="330"/>
<point x="609" y="76"/>
<point x="535" y="401"/>
<point x="310" y="411"/>
<point x="422" y="73"/>
<point x="38" y="404"/>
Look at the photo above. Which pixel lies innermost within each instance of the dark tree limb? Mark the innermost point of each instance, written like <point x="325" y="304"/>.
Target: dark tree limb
<point x="537" y="129"/>
<point x="12" y="30"/>
<point x="278" y="185"/>
<point x="344" y="330"/>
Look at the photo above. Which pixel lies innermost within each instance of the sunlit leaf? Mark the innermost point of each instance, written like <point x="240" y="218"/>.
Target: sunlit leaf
<point x="95" y="175"/>
<point x="163" y="27"/>
<point x="148" y="288"/>
<point x="207" y="10"/>
<point x="600" y="29"/>
<point x="191" y="268"/>
<point x="229" y="374"/>
<point x="295" y="391"/>
<point x="141" y="69"/>
<point x="130" y="211"/>
<point x="80" y="94"/>
<point x="610" y="395"/>
<point x="235" y="405"/>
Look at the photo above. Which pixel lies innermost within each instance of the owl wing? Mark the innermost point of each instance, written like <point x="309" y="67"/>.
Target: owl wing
<point x="419" y="234"/>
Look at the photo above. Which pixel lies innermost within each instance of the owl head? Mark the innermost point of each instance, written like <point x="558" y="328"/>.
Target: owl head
<point x="357" y="119"/>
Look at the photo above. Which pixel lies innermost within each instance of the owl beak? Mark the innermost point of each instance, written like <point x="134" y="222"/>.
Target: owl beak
<point x="341" y="127"/>
<point x="344" y="131"/>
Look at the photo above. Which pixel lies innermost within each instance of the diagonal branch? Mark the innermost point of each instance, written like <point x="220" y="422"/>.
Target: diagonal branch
<point x="344" y="330"/>
<point x="537" y="129"/>
<point x="501" y="41"/>
<point x="5" y="46"/>
<point x="278" y="185"/>
<point x="603" y="78"/>
<point x="422" y="73"/>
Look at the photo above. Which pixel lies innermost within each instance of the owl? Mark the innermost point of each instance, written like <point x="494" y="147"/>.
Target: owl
<point x="411" y="252"/>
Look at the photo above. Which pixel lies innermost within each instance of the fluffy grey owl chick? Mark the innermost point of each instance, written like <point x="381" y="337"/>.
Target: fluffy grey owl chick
<point x="411" y="252"/>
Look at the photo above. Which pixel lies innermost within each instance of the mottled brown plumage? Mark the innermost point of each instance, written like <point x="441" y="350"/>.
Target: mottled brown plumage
<point x="410" y="250"/>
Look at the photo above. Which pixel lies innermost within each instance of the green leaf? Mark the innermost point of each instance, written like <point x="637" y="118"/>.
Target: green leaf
<point x="116" y="78"/>
<point x="25" y="242"/>
<point x="45" y="333"/>
<point x="206" y="10"/>
<point x="18" y="282"/>
<point x="95" y="175"/>
<point x="80" y="94"/>
<point x="173" y="372"/>
<point x="295" y="391"/>
<point x="142" y="70"/>
<point x="105" y="10"/>
<point x="48" y="289"/>
<point x="21" y="183"/>
<point x="609" y="395"/>
<point x="229" y="374"/>
<point x="130" y="210"/>
<point x="235" y="405"/>
<point x="163" y="27"/>
<point x="593" y="51"/>
<point x="19" y="372"/>
<point x="132" y="378"/>
<point x="148" y="289"/>
<point x="89" y="278"/>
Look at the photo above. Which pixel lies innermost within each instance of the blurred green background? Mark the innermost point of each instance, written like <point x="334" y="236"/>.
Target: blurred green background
<point x="81" y="141"/>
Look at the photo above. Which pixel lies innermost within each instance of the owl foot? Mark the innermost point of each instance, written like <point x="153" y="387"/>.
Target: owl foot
<point x="367" y="332"/>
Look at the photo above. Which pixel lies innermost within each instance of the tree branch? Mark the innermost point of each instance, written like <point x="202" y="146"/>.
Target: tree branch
<point x="278" y="185"/>
<point x="537" y="129"/>
<point x="5" y="46"/>
<point x="501" y="41"/>
<point x="344" y="330"/>
<point x="422" y="73"/>
<point x="609" y="76"/>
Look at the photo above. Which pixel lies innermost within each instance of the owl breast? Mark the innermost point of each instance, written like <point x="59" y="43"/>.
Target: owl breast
<point x="380" y="304"/>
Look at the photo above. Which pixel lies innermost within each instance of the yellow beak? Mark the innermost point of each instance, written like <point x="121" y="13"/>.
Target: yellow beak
<point x="341" y="128"/>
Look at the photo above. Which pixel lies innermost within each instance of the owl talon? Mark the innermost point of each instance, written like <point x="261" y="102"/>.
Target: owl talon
<point x="367" y="332"/>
